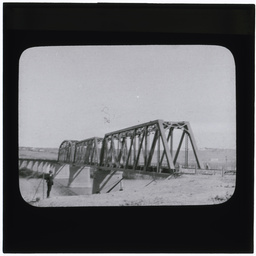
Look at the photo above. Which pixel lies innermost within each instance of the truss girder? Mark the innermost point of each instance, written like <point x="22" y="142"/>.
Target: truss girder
<point x="147" y="147"/>
<point x="138" y="146"/>
<point x="66" y="150"/>
<point x="80" y="152"/>
<point x="87" y="151"/>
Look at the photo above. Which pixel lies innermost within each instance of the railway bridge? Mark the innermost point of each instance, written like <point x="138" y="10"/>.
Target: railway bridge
<point x="152" y="148"/>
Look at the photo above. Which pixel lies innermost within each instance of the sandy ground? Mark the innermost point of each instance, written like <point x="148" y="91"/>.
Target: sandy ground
<point x="183" y="190"/>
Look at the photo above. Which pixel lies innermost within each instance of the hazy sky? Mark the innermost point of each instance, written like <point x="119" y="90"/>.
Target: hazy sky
<point x="78" y="92"/>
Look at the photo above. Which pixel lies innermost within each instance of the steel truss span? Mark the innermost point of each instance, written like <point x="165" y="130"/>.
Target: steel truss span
<point x="144" y="147"/>
<point x="88" y="151"/>
<point x="66" y="151"/>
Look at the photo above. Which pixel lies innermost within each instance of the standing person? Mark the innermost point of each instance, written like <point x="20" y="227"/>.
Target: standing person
<point x="49" y="181"/>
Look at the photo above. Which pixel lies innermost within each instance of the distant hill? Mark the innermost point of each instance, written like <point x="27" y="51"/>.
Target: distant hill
<point x="38" y="153"/>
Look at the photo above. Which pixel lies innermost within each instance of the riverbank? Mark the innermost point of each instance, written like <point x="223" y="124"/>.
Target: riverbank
<point x="183" y="190"/>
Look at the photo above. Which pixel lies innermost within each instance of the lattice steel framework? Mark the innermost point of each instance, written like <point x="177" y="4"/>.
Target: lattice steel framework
<point x="147" y="147"/>
<point x="66" y="151"/>
<point x="88" y="151"/>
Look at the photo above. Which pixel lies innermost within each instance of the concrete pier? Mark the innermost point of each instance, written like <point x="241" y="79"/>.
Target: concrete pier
<point x="105" y="180"/>
<point x="61" y="171"/>
<point x="79" y="177"/>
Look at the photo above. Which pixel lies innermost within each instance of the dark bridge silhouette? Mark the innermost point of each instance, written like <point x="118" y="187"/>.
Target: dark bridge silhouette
<point x="148" y="147"/>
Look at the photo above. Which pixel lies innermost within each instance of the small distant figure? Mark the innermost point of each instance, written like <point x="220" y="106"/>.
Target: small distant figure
<point x="207" y="166"/>
<point x="49" y="181"/>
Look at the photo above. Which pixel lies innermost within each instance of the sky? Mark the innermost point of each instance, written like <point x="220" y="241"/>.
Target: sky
<point x="79" y="92"/>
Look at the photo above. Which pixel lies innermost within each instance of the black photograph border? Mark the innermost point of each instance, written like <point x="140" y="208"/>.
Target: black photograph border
<point x="226" y="228"/>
